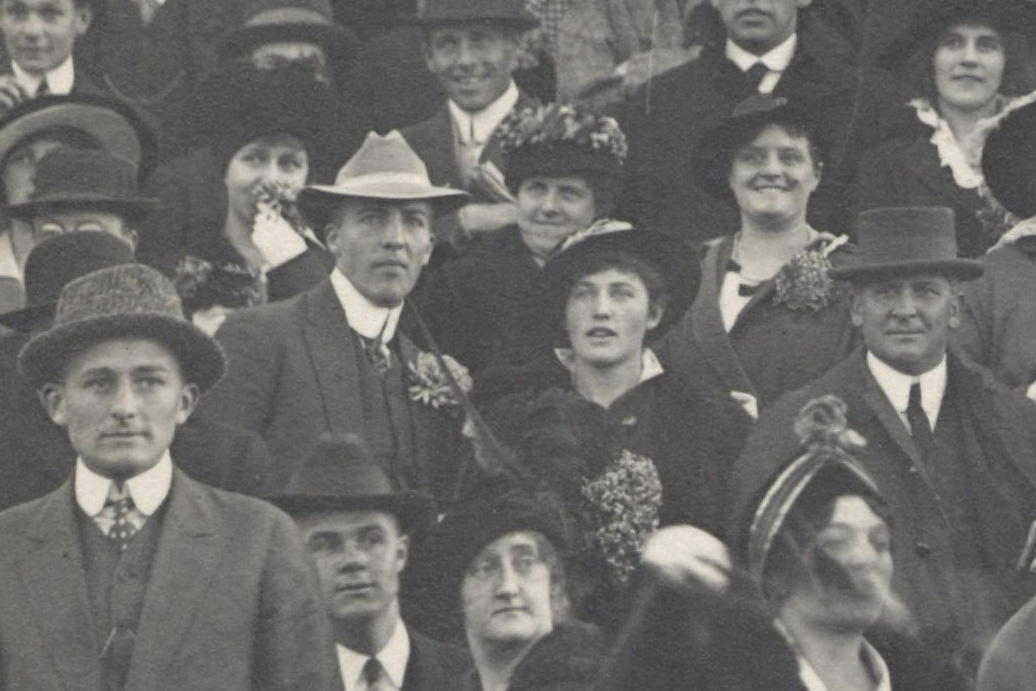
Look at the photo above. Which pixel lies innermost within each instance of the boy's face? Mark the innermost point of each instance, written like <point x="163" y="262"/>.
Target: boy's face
<point x="39" y="34"/>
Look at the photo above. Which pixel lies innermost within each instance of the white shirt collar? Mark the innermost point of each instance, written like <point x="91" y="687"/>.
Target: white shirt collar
<point x="8" y="262"/>
<point x="364" y="317"/>
<point x="393" y="658"/>
<point x="650" y="366"/>
<point x="896" y="386"/>
<point x="480" y="125"/>
<point x="872" y="659"/>
<point x="776" y="59"/>
<point x="148" y="489"/>
<point x="59" y="79"/>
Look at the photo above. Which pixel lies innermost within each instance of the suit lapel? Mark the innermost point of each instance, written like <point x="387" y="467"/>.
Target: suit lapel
<point x="922" y="159"/>
<point x="186" y="561"/>
<point x="55" y="578"/>
<point x="879" y="404"/>
<point x="442" y="154"/>
<point x="492" y="152"/>
<point x="332" y="348"/>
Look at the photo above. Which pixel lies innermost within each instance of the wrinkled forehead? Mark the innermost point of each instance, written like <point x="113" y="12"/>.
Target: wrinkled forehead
<point x="522" y="541"/>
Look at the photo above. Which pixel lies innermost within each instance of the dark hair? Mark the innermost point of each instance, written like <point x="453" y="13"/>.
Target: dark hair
<point x="792" y="126"/>
<point x="605" y="188"/>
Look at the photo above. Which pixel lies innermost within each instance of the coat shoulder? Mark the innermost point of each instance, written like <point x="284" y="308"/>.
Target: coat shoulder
<point x="567" y="659"/>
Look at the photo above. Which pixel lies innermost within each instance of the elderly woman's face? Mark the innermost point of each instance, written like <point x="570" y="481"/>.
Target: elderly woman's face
<point x="773" y="176"/>
<point x="607" y="316"/>
<point x="550" y="209"/>
<point x="969" y="66"/>
<point x="269" y="160"/>
<point x="858" y="541"/>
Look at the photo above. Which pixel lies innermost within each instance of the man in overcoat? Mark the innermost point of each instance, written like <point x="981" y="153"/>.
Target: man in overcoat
<point x="953" y="450"/>
<point x="332" y="360"/>
<point x="131" y="575"/>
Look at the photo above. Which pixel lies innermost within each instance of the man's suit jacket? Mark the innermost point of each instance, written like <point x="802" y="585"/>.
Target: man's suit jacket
<point x="434" y="666"/>
<point x="232" y="602"/>
<point x="998" y="427"/>
<point x="293" y="376"/>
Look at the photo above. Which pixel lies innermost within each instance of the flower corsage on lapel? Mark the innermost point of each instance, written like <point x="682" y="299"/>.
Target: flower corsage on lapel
<point x="429" y="384"/>
<point x="804" y="282"/>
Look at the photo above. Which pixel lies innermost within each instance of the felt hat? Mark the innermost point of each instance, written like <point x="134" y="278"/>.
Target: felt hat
<point x="715" y="153"/>
<point x="674" y="260"/>
<point x="341" y="475"/>
<point x="827" y="467"/>
<point x="1009" y="161"/>
<point x="384" y="168"/>
<point x="560" y="140"/>
<point x="114" y="125"/>
<point x="74" y="178"/>
<point x="906" y="240"/>
<point x="309" y="21"/>
<point x="57" y="261"/>
<point x="130" y="300"/>
<point x="509" y="12"/>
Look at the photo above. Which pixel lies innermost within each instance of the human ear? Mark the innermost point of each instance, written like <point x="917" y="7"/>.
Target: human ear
<point x="52" y="396"/>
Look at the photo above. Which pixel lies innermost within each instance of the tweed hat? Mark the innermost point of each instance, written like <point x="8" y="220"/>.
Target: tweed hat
<point x="509" y="12"/>
<point x="898" y="241"/>
<point x="1009" y="161"/>
<point x="78" y="178"/>
<point x="341" y="475"/>
<point x="57" y="261"/>
<point x="270" y="21"/>
<point x="114" y="125"/>
<point x="384" y="168"/>
<point x="130" y="300"/>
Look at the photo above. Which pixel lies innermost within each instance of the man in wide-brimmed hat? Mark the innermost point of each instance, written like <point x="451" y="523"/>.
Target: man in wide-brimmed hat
<point x="131" y="574"/>
<point x="332" y="359"/>
<point x="471" y="46"/>
<point x="951" y="449"/>
<point x="358" y="530"/>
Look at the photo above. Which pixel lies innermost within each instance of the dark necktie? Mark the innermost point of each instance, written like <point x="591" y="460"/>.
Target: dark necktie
<point x="372" y="673"/>
<point x="755" y="74"/>
<point x="376" y="353"/>
<point x="43" y="89"/>
<point x="122" y="530"/>
<point x="920" y="428"/>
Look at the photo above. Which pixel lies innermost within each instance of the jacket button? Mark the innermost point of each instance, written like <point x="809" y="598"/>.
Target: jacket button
<point x="923" y="549"/>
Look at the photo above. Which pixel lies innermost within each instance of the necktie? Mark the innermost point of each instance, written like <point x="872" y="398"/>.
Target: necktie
<point x="469" y="152"/>
<point x="122" y="530"/>
<point x="377" y="353"/>
<point x="755" y="74"/>
<point x="43" y="89"/>
<point x="372" y="674"/>
<point x="920" y="428"/>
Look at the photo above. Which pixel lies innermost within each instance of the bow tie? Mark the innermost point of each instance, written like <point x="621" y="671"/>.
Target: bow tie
<point x="745" y="290"/>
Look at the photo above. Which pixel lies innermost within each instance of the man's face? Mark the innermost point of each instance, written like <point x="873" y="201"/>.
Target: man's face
<point x="381" y="246"/>
<point x="906" y="321"/>
<point x="359" y="556"/>
<point x="549" y="209"/>
<point x="57" y="221"/>
<point x="277" y="53"/>
<point x="773" y="177"/>
<point x="39" y="34"/>
<point x="19" y="168"/>
<point x="473" y="62"/>
<point x="505" y="594"/>
<point x="121" y="401"/>
<point x="607" y="316"/>
<point x="758" y="26"/>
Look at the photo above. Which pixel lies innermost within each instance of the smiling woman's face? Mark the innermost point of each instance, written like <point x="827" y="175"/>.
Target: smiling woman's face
<point x="549" y="209"/>
<point x="969" y="67"/>
<point x="773" y="177"/>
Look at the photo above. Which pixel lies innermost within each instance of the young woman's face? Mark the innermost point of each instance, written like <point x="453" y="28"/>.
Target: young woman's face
<point x="773" y="176"/>
<point x="607" y="317"/>
<point x="858" y="542"/>
<point x="280" y="159"/>
<point x="969" y="66"/>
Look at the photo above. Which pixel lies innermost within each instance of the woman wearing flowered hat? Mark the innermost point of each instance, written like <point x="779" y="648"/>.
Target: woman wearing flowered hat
<point x="768" y="319"/>
<point x="564" y="168"/>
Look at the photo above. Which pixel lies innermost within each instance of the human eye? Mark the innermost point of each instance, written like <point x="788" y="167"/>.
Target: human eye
<point x="581" y="291"/>
<point x="623" y="292"/>
<point x="321" y="543"/>
<point x="291" y="163"/>
<point x="51" y="13"/>
<point x="989" y="44"/>
<point x="881" y="540"/>
<point x="525" y="563"/>
<point x="484" y="569"/>
<point x="951" y="40"/>
<point x="791" y="157"/>
<point x="750" y="156"/>
<point x="416" y="220"/>
<point x="97" y="383"/>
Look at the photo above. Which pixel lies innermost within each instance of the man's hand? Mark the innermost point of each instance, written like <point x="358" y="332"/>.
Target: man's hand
<point x="482" y="218"/>
<point x="684" y="553"/>
<point x="11" y="93"/>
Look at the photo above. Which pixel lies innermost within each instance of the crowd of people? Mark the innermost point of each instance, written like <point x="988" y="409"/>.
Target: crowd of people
<point x="518" y="345"/>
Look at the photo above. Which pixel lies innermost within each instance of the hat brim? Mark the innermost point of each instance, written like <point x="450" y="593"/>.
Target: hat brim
<point x="963" y="269"/>
<point x="43" y="359"/>
<point x="23" y="319"/>
<point x="524" y="22"/>
<point x="413" y="509"/>
<point x="132" y="208"/>
<point x="337" y="41"/>
<point x="318" y="202"/>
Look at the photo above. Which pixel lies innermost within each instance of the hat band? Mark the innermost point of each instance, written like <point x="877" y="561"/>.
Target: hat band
<point x="287" y="15"/>
<point x="375" y="180"/>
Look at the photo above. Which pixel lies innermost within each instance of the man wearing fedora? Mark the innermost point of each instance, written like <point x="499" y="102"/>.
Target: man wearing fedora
<point x="471" y="46"/>
<point x="332" y="360"/>
<point x="131" y="575"/>
<point x="358" y="530"/>
<point x="36" y="456"/>
<point x="952" y="449"/>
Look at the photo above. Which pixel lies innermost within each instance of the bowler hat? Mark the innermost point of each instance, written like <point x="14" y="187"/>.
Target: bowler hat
<point x="1009" y="161"/>
<point x="74" y="178"/>
<point x="384" y="168"/>
<point x="130" y="300"/>
<point x="269" y="21"/>
<point x="56" y="262"/>
<point x="510" y="12"/>
<point x="341" y="475"/>
<point x="906" y="240"/>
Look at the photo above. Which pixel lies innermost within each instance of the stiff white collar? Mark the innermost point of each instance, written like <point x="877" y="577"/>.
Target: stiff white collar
<point x="393" y="658"/>
<point x="872" y="660"/>
<point x="59" y="79"/>
<point x="148" y="489"/>
<point x="896" y="386"/>
<point x="364" y="317"/>
<point x="8" y="262"/>
<point x="479" y="126"/>
<point x="650" y="367"/>
<point x="776" y="60"/>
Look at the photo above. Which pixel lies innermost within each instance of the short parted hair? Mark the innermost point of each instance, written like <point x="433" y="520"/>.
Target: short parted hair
<point x="604" y="188"/>
<point x="597" y="262"/>
<point x="507" y="29"/>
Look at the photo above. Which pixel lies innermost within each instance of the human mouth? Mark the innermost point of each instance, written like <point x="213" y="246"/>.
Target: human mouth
<point x="354" y="589"/>
<point x="390" y="264"/>
<point x="601" y="332"/>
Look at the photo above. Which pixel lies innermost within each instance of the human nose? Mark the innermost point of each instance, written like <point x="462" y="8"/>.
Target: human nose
<point x="465" y="54"/>
<point x="771" y="166"/>
<point x="969" y="53"/>
<point x="124" y="402"/>
<point x="905" y="304"/>
<point x="549" y="203"/>
<point x="393" y="232"/>
<point x="350" y="557"/>
<point x="507" y="583"/>
<point x="602" y="305"/>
